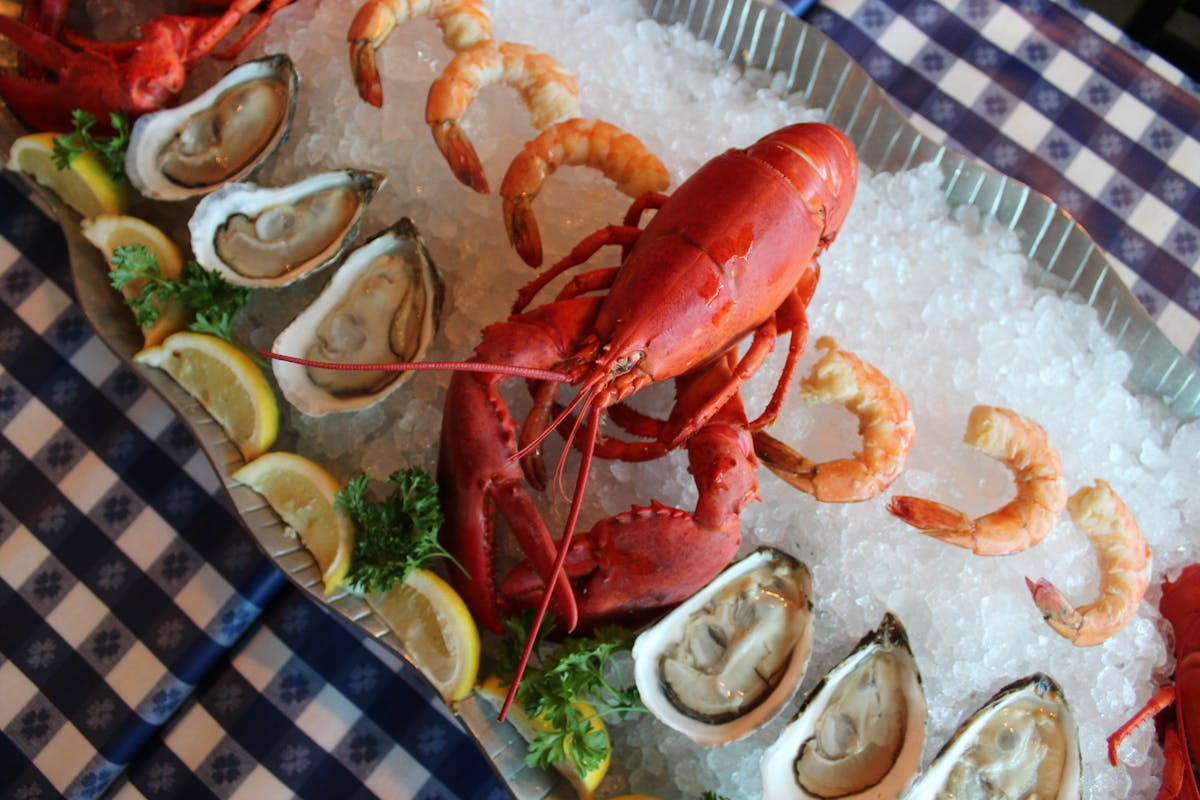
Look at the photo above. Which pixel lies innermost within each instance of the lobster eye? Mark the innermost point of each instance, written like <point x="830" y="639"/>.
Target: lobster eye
<point x="625" y="363"/>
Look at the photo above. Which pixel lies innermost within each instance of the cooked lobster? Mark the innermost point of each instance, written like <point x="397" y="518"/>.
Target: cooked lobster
<point x="732" y="253"/>
<point x="1176" y="707"/>
<point x="63" y="71"/>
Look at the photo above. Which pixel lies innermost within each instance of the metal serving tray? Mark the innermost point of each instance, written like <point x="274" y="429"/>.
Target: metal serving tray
<point x="750" y="35"/>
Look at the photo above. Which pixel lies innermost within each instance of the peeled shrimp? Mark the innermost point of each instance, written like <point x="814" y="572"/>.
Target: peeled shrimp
<point x="1023" y="447"/>
<point x="884" y="423"/>
<point x="592" y="143"/>
<point x="1124" y="557"/>
<point x="549" y="92"/>
<point x="464" y="23"/>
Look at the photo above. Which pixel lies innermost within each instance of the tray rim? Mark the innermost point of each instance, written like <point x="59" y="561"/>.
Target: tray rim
<point x="750" y="35"/>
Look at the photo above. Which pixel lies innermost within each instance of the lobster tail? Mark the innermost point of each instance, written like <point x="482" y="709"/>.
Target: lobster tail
<point x="821" y="163"/>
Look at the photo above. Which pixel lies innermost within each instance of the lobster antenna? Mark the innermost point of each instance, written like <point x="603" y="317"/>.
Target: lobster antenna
<point x="561" y="466"/>
<point x="556" y="573"/>
<point x="512" y="370"/>
<point x="584" y="392"/>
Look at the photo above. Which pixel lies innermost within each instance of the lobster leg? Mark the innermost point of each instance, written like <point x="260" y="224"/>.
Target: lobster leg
<point x="480" y="477"/>
<point x="631" y="566"/>
<point x="226" y="22"/>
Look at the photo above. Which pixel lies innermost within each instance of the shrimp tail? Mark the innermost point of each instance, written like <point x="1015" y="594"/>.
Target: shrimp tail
<point x="1058" y="612"/>
<point x="935" y="519"/>
<point x="523" y="233"/>
<point x="460" y="154"/>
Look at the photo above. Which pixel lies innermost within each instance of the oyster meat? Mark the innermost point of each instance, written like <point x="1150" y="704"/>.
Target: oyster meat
<point x="730" y="657"/>
<point x="860" y="733"/>
<point x="272" y="236"/>
<point x="381" y="306"/>
<point x="219" y="137"/>
<point x="1022" y="743"/>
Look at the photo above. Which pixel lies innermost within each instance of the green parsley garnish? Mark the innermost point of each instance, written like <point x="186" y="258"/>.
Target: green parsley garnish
<point x="580" y="669"/>
<point x="214" y="300"/>
<point x="396" y="535"/>
<point x="110" y="149"/>
<point x="710" y="795"/>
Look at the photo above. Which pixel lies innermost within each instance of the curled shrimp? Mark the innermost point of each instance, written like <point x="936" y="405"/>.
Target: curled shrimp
<point x="884" y="423"/>
<point x="549" y="92"/>
<point x="464" y="23"/>
<point x="1022" y="445"/>
<point x="621" y="156"/>
<point x="1124" y="557"/>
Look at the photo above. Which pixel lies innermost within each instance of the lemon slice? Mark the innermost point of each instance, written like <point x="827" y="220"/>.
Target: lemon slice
<point x="436" y="629"/>
<point x="225" y="380"/>
<point x="110" y="231"/>
<point x="493" y="691"/>
<point x="302" y="494"/>
<point x="84" y="185"/>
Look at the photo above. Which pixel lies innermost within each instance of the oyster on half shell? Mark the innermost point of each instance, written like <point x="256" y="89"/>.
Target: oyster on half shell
<point x="218" y="137"/>
<point x="272" y="236"/>
<point x="381" y="306"/>
<point x="1021" y="743"/>
<point x="729" y="658"/>
<point x="861" y="732"/>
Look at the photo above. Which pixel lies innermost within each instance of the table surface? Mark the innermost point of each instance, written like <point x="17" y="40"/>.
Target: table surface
<point x="148" y="649"/>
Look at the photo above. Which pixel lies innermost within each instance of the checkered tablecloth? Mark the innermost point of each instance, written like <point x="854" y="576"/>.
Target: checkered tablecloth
<point x="1060" y="99"/>
<point x="147" y="648"/>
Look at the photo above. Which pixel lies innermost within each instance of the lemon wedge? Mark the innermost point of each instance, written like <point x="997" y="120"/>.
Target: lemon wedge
<point x="436" y="629"/>
<point x="85" y="184"/>
<point x="493" y="691"/>
<point x="302" y="493"/>
<point x="110" y="231"/>
<point x="226" y="381"/>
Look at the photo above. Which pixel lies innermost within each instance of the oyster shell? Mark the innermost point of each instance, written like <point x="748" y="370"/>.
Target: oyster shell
<point x="1021" y="743"/>
<point x="272" y="236"/>
<point x="219" y="136"/>
<point x="729" y="658"/>
<point x="860" y="733"/>
<point x="382" y="305"/>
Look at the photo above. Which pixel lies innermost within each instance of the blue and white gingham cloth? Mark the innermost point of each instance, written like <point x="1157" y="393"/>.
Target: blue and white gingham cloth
<point x="147" y="648"/>
<point x="1077" y="111"/>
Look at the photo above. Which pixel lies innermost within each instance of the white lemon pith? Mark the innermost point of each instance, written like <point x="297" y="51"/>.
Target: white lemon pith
<point x="303" y="494"/>
<point x="110" y="231"/>
<point x="436" y="629"/>
<point x="226" y="381"/>
<point x="84" y="184"/>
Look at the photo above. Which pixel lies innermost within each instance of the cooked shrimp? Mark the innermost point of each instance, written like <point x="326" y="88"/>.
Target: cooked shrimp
<point x="549" y="92"/>
<point x="592" y="143"/>
<point x="464" y="23"/>
<point x="884" y="423"/>
<point x="1023" y="447"/>
<point x="1124" y="557"/>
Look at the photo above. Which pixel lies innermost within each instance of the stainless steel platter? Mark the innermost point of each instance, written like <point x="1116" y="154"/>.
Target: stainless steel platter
<point x="750" y="35"/>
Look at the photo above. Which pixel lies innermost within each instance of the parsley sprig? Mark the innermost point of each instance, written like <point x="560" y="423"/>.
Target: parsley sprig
<point x="110" y="149"/>
<point x="579" y="670"/>
<point x="213" y="299"/>
<point x="395" y="535"/>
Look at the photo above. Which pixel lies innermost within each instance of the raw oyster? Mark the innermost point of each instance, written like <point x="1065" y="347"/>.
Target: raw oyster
<point x="730" y="657"/>
<point x="272" y="236"/>
<point x="860" y="733"/>
<point x="1021" y="743"/>
<point x="381" y="306"/>
<point x="218" y="137"/>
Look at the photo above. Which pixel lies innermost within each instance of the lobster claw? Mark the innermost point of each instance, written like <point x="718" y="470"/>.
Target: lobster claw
<point x="43" y="104"/>
<point x="135" y="78"/>
<point x="629" y="568"/>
